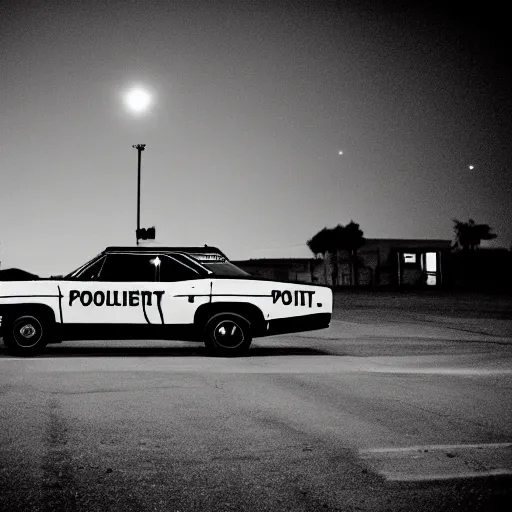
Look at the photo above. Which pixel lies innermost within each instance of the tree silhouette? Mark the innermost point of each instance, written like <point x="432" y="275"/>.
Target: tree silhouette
<point x="320" y="244"/>
<point x="353" y="240"/>
<point x="469" y="235"/>
<point x="337" y="240"/>
<point x="329" y="241"/>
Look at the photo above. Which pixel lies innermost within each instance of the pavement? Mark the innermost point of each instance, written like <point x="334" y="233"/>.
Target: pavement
<point x="399" y="405"/>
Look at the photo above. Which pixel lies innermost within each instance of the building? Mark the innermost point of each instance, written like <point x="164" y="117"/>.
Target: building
<point x="380" y="262"/>
<point x="402" y="262"/>
<point x="485" y="269"/>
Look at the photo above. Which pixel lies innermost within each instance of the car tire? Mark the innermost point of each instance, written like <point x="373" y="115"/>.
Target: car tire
<point x="227" y="334"/>
<point x="27" y="334"/>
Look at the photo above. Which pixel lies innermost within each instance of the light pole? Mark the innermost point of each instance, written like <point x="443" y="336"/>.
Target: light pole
<point x="140" y="148"/>
<point x="138" y="100"/>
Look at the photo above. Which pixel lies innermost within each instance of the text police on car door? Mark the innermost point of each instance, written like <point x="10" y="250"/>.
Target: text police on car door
<point x="115" y="297"/>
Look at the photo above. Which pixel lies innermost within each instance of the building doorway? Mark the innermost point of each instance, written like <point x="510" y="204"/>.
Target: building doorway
<point x="429" y="266"/>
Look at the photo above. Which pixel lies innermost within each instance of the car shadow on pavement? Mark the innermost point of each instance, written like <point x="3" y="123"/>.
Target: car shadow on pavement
<point x="286" y="351"/>
<point x="192" y="351"/>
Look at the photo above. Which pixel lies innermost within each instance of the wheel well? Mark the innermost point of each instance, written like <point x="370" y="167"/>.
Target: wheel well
<point x="10" y="311"/>
<point x="249" y="311"/>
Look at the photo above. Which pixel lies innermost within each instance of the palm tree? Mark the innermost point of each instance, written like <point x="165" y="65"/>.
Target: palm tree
<point x="469" y="235"/>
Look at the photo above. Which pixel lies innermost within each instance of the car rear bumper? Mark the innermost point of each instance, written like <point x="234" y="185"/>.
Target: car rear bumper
<point x="298" y="324"/>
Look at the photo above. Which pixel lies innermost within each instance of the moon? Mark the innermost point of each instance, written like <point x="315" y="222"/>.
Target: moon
<point x="138" y="100"/>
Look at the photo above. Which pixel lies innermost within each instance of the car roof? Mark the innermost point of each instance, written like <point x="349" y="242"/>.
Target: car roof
<point x="187" y="250"/>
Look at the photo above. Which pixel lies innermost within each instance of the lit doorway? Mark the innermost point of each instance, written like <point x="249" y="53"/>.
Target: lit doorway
<point x="429" y="264"/>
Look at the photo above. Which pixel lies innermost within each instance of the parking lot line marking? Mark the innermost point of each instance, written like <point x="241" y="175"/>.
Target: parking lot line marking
<point x="397" y="477"/>
<point x="437" y="447"/>
<point x="442" y="371"/>
<point x="440" y="461"/>
<point x="4" y="358"/>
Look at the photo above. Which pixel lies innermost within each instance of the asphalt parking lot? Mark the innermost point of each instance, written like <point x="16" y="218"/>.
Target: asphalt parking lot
<point x="404" y="403"/>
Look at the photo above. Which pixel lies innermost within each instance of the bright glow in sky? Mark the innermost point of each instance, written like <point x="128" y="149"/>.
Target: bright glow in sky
<point x="254" y="102"/>
<point x="138" y="100"/>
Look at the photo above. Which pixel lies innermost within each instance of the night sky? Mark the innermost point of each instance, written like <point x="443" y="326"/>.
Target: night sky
<point x="252" y="103"/>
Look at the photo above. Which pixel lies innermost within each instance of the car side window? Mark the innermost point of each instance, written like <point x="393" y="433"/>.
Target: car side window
<point x="129" y="268"/>
<point x="92" y="272"/>
<point x="171" y="270"/>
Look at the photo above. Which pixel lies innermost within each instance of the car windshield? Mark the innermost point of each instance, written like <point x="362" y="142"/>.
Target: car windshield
<point x="74" y="273"/>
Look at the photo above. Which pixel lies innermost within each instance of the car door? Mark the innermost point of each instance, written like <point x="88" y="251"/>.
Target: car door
<point x="119" y="288"/>
<point x="186" y="286"/>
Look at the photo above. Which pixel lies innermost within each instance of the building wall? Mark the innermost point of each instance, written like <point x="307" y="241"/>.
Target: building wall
<point x="294" y="270"/>
<point x="486" y="269"/>
<point x="380" y="263"/>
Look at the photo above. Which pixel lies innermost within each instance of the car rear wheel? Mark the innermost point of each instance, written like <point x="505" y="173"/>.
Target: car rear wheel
<point x="27" y="334"/>
<point x="227" y="334"/>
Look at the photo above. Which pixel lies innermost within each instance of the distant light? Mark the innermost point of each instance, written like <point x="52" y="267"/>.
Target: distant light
<point x="155" y="261"/>
<point x="340" y="152"/>
<point x="471" y="167"/>
<point x="138" y="100"/>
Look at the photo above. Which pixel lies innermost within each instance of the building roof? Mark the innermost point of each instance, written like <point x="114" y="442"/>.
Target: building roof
<point x="410" y="243"/>
<point x="401" y="241"/>
<point x="272" y="261"/>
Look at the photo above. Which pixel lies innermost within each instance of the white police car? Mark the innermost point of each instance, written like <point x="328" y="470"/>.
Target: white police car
<point x="147" y="292"/>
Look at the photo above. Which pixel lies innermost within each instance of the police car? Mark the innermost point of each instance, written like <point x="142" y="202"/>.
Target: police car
<point x="191" y="293"/>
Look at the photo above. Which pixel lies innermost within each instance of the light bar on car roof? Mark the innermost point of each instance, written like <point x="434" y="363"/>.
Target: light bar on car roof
<point x="209" y="257"/>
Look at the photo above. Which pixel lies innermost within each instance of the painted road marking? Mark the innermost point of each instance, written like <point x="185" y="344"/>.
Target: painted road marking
<point x="440" y="462"/>
<point x="442" y="371"/>
<point x="429" y="447"/>
<point x="398" y="477"/>
<point x="322" y="364"/>
<point x="26" y="358"/>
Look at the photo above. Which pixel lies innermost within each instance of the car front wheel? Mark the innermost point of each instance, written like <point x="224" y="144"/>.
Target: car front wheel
<point x="227" y="334"/>
<point x="27" y="334"/>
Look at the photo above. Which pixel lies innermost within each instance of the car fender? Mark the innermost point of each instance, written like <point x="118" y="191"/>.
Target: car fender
<point x="23" y="295"/>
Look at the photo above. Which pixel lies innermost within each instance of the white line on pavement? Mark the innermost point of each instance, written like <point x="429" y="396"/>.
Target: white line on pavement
<point x="449" y="476"/>
<point x="437" y="447"/>
<point x="284" y="364"/>
<point x="442" y="371"/>
<point x="440" y="461"/>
